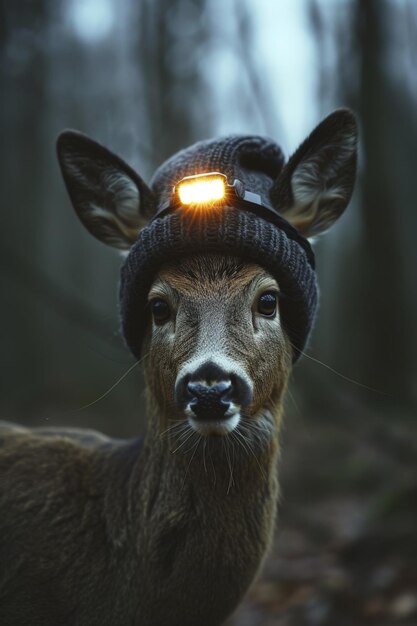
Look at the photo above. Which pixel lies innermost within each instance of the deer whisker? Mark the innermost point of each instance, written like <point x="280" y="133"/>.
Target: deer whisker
<point x="191" y="460"/>
<point x="347" y="378"/>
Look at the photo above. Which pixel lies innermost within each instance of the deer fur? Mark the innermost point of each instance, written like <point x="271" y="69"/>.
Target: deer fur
<point x="170" y="529"/>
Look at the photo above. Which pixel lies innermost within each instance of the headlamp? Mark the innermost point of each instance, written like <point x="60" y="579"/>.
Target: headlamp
<point x="211" y="190"/>
<point x="201" y="189"/>
<point x="208" y="190"/>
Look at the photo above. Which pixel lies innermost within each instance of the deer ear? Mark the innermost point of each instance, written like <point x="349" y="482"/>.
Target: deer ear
<point x="316" y="184"/>
<point x="110" y="199"/>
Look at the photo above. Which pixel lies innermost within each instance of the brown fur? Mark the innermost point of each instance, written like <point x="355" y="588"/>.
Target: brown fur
<point x="171" y="531"/>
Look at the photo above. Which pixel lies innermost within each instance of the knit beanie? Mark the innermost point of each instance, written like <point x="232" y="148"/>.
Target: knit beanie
<point x="254" y="233"/>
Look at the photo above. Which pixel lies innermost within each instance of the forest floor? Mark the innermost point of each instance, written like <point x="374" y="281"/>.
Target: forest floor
<point x="345" y="550"/>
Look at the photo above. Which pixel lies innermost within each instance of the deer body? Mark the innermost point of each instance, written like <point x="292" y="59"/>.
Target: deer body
<point x="173" y="529"/>
<point x="122" y="539"/>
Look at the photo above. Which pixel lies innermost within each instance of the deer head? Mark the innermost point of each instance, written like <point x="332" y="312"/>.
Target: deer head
<point x="218" y="302"/>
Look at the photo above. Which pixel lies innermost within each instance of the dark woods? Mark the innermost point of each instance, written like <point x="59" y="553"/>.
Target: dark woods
<point x="147" y="78"/>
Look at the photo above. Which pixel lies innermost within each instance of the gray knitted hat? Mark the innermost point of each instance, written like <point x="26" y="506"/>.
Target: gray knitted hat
<point x="255" y="233"/>
<point x="311" y="190"/>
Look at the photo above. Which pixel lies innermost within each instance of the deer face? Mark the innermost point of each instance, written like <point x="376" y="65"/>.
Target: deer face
<point x="217" y="353"/>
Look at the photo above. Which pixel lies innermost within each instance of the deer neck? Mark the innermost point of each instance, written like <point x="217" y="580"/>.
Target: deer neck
<point x="197" y="480"/>
<point x="199" y="523"/>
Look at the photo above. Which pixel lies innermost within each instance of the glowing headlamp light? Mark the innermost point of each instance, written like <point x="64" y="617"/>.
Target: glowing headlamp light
<point x="201" y="189"/>
<point x="209" y="189"/>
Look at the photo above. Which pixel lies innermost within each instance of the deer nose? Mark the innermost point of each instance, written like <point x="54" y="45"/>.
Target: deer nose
<point x="212" y="393"/>
<point x="209" y="401"/>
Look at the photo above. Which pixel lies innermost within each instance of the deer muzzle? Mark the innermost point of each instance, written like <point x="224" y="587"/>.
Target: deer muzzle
<point x="212" y="397"/>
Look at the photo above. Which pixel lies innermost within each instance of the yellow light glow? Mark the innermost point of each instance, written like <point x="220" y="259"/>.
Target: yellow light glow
<point x="201" y="189"/>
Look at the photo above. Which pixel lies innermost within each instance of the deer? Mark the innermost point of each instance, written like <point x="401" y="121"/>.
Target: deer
<point x="218" y="294"/>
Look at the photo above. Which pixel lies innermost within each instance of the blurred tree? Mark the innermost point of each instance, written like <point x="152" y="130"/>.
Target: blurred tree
<point x="367" y="328"/>
<point x="385" y="298"/>
<point x="21" y="152"/>
<point x="171" y="39"/>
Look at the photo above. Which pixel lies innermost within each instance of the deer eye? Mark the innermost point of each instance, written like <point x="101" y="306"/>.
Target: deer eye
<point x="267" y="304"/>
<point x="160" y="310"/>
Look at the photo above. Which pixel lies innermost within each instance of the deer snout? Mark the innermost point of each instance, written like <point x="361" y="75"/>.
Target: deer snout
<point x="209" y="402"/>
<point x="212" y="397"/>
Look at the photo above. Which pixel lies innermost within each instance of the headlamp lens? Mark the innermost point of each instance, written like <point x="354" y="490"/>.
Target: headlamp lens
<point x="202" y="189"/>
